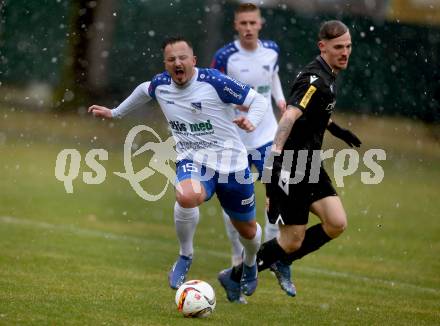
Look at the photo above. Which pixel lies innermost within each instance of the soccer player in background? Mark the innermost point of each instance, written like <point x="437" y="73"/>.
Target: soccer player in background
<point x="197" y="104"/>
<point x="302" y="126"/>
<point x="254" y="62"/>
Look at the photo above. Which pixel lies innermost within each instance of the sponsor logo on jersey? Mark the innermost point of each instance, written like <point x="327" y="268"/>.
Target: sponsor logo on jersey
<point x="266" y="67"/>
<point x="313" y="78"/>
<point x="204" y="127"/>
<point x="177" y="126"/>
<point x="307" y="96"/>
<point x="264" y="89"/>
<point x="234" y="94"/>
<point x="200" y="126"/>
<point x="242" y="86"/>
<point x="170" y="102"/>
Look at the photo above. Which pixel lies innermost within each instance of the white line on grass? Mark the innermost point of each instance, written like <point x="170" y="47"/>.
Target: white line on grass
<point x="367" y="279"/>
<point x="111" y="236"/>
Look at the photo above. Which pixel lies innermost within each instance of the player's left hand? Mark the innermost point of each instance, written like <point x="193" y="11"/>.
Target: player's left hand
<point x="243" y="123"/>
<point x="282" y="106"/>
<point x="346" y="135"/>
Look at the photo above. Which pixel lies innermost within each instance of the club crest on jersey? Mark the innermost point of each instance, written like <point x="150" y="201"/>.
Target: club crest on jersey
<point x="196" y="107"/>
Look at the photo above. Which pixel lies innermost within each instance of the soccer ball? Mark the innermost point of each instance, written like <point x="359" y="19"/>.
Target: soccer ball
<point x="195" y="298"/>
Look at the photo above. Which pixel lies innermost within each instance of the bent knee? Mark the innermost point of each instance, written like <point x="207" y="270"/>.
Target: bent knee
<point x="248" y="233"/>
<point x="189" y="200"/>
<point x="247" y="230"/>
<point x="291" y="246"/>
<point x="336" y="226"/>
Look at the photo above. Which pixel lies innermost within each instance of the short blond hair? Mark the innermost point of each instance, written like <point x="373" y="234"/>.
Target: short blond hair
<point x="246" y="7"/>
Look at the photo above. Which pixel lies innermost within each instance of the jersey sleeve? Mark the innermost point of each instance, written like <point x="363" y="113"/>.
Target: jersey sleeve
<point x="228" y="89"/>
<point x="275" y="47"/>
<point x="219" y="62"/>
<point x="304" y="91"/>
<point x="257" y="108"/>
<point x="160" y="79"/>
<point x="138" y="97"/>
<point x="277" y="90"/>
<point x="221" y="57"/>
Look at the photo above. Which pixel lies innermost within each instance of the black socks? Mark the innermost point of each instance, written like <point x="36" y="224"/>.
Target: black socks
<point x="314" y="239"/>
<point x="271" y="252"/>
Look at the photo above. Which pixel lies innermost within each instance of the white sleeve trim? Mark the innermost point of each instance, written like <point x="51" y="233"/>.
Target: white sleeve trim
<point x="257" y="109"/>
<point x="277" y="90"/>
<point x="137" y="98"/>
<point x="249" y="97"/>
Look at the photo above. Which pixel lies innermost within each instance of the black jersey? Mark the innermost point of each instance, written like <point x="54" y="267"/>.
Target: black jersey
<point x="313" y="92"/>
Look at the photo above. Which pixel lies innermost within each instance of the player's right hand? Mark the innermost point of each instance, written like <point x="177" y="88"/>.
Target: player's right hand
<point x="100" y="111"/>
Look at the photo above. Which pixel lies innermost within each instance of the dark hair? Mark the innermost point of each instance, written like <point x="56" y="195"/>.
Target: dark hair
<point x="331" y="29"/>
<point x="246" y="7"/>
<point x="175" y="39"/>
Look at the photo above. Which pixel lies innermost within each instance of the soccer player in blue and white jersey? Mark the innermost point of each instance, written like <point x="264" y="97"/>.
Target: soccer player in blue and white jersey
<point x="254" y="62"/>
<point x="198" y="105"/>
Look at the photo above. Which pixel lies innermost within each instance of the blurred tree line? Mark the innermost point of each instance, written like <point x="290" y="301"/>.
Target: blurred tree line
<point x="102" y="49"/>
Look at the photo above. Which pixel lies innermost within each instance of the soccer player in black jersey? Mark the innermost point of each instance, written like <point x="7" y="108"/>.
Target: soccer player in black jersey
<point x="301" y="129"/>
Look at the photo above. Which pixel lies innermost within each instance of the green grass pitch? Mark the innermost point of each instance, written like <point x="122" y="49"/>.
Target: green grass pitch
<point x="100" y="256"/>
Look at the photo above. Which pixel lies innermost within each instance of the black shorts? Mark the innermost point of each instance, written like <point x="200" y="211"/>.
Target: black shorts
<point x="294" y="206"/>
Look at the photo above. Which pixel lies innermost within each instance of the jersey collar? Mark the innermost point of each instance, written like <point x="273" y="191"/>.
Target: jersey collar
<point x="240" y="48"/>
<point x="325" y="66"/>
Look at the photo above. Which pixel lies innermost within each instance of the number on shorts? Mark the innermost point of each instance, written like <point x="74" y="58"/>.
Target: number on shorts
<point x="189" y="167"/>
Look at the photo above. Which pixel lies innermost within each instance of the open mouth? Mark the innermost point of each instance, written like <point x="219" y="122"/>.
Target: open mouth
<point x="179" y="72"/>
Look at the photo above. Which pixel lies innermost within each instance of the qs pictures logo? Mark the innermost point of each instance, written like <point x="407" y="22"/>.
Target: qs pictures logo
<point x="68" y="163"/>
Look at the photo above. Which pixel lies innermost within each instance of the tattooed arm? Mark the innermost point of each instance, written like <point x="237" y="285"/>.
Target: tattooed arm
<point x="284" y="127"/>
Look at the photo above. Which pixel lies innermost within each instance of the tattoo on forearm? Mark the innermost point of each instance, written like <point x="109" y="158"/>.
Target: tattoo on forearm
<point x="283" y="132"/>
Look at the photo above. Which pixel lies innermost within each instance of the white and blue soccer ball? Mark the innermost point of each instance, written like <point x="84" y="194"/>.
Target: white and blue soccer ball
<point x="195" y="298"/>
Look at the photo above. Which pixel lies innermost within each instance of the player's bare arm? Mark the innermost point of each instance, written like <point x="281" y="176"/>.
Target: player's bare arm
<point x="284" y="127"/>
